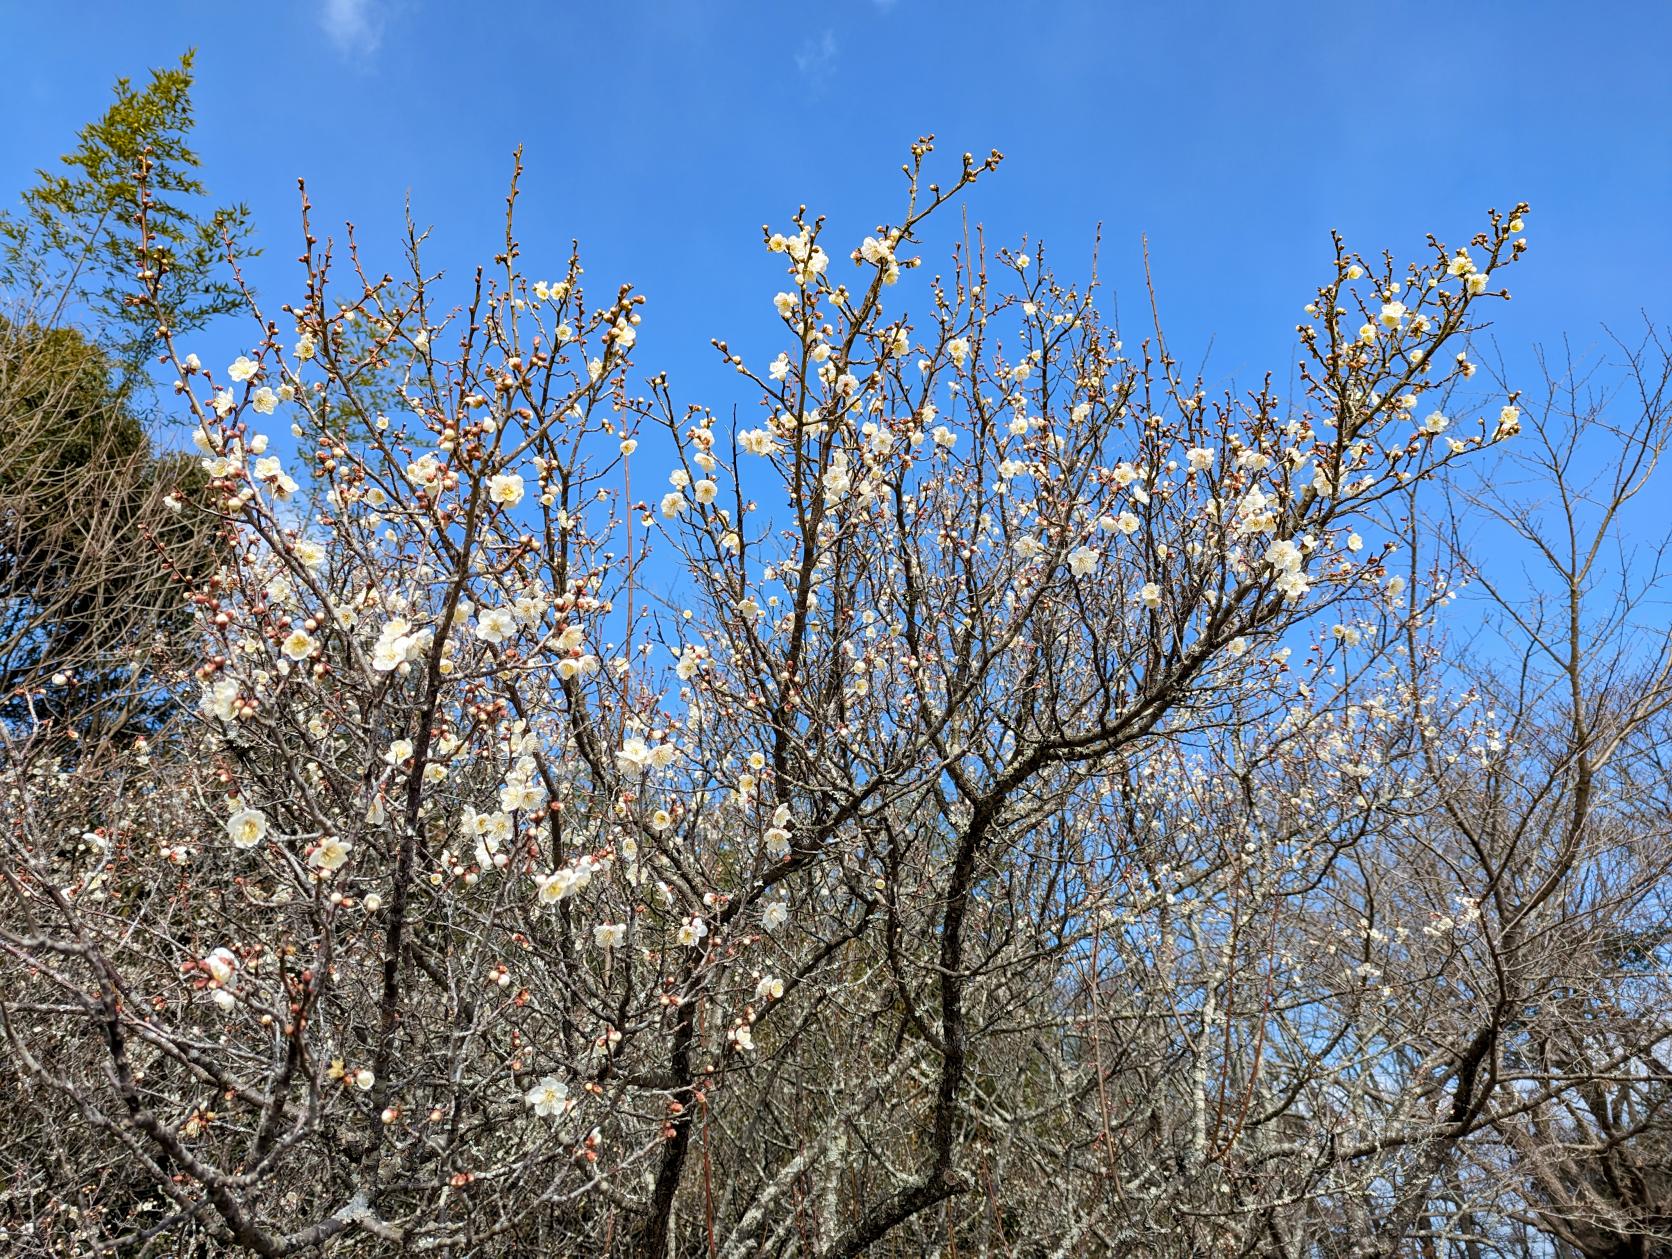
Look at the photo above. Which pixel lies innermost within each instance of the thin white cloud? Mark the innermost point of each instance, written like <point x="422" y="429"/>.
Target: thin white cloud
<point x="354" y="26"/>
<point x="817" y="59"/>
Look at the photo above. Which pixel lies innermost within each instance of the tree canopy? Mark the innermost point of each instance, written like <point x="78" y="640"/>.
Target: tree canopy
<point x="94" y="555"/>
<point x="73" y="246"/>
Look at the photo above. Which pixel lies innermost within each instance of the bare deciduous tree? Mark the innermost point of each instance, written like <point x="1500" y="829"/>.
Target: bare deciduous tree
<point x="995" y="798"/>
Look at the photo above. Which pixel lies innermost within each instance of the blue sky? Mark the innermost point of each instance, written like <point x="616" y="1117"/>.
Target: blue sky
<point x="663" y="134"/>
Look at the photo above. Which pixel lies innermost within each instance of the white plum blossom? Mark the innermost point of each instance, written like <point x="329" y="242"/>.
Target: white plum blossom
<point x="397" y="643"/>
<point x="576" y="667"/>
<point x="1284" y="555"/>
<point x="634" y="756"/>
<point x="270" y="470"/>
<point x="488" y="851"/>
<point x="331" y="854"/>
<point x="221" y="964"/>
<point x="506" y="489"/>
<point x="425" y="471"/>
<point x="496" y="625"/>
<point x="563" y="883"/>
<point x="757" y="441"/>
<point x="247" y="828"/>
<point x="1287" y="561"/>
<point x="777" y="843"/>
<point x="522" y="792"/>
<point x="298" y="645"/>
<point x="549" y="1098"/>
<point x="221" y="699"/>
